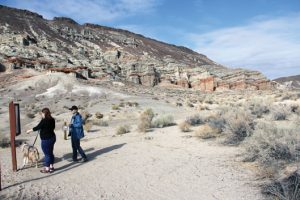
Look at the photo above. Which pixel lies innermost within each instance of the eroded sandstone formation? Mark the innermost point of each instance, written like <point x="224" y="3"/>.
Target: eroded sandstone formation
<point x="92" y="51"/>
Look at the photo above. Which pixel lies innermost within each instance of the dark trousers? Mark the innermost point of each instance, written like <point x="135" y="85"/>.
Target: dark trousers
<point x="47" y="147"/>
<point x="76" y="147"/>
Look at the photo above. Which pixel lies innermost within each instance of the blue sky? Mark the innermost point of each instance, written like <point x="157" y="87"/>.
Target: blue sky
<point x="262" y="35"/>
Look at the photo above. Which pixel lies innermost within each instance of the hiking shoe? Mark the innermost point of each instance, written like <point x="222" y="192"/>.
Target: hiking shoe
<point x="84" y="160"/>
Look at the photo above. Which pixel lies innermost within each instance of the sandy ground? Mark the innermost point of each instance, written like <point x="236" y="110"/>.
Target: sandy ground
<point x="162" y="164"/>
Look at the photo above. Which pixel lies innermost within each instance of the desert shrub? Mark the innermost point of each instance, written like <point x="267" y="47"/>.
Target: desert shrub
<point x="202" y="107"/>
<point x="149" y="113"/>
<point x="287" y="188"/>
<point x="98" y="115"/>
<point x="290" y="96"/>
<point x="259" y="109"/>
<point x="115" y="107"/>
<point x="208" y="100"/>
<point x="145" y="120"/>
<point x="271" y="145"/>
<point x="87" y="126"/>
<point x="178" y="104"/>
<point x="162" y="121"/>
<point x="193" y="101"/>
<point x="122" y="104"/>
<point x="85" y="116"/>
<point x="30" y="115"/>
<point x="132" y="104"/>
<point x="279" y="113"/>
<point x="189" y="104"/>
<point x="294" y="108"/>
<point x="216" y="123"/>
<point x="4" y="142"/>
<point x="185" y="127"/>
<point x="274" y="148"/>
<point x="100" y="122"/>
<point x="239" y="125"/>
<point x="286" y="97"/>
<point x="123" y="130"/>
<point x="206" y="132"/>
<point x="195" y="120"/>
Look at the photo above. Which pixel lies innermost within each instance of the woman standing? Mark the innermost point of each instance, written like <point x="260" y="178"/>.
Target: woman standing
<point x="48" y="138"/>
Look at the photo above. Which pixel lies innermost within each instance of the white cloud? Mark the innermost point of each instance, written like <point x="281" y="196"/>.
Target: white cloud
<point x="269" y="46"/>
<point x="95" y="11"/>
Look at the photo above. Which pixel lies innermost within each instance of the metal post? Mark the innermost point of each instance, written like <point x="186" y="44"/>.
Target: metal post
<point x="12" y="119"/>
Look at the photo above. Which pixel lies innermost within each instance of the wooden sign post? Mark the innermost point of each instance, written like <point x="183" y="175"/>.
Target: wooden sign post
<point x="13" y="127"/>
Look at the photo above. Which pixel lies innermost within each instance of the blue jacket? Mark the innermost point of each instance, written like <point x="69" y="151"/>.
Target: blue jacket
<point x="76" y="128"/>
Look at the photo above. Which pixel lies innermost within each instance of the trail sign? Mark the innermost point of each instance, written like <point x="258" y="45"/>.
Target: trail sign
<point x="13" y="131"/>
<point x="18" y="122"/>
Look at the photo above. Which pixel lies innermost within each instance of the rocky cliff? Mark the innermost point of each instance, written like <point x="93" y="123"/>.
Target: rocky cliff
<point x="93" y="51"/>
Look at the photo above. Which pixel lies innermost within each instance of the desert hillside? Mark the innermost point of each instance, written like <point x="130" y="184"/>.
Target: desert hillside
<point x="290" y="81"/>
<point x="103" y="53"/>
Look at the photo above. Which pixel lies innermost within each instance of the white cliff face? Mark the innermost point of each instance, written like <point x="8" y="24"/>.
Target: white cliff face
<point x="29" y="41"/>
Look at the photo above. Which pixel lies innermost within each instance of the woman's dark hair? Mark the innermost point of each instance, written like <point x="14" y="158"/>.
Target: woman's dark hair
<point x="47" y="113"/>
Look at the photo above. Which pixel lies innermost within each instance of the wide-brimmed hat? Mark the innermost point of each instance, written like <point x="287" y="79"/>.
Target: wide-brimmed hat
<point x="73" y="108"/>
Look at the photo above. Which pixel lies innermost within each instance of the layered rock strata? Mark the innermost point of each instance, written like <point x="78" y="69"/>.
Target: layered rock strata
<point x="98" y="52"/>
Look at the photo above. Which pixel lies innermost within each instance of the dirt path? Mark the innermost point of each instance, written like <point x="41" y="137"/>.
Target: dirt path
<point x="166" y="165"/>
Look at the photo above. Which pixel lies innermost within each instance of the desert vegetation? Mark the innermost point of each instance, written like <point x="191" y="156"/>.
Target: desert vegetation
<point x="162" y="121"/>
<point x="195" y="120"/>
<point x="145" y="120"/>
<point x="4" y="142"/>
<point x="184" y="126"/>
<point x="121" y="130"/>
<point x="263" y="126"/>
<point x="148" y="120"/>
<point x="206" y="132"/>
<point x="115" y="107"/>
<point x="267" y="128"/>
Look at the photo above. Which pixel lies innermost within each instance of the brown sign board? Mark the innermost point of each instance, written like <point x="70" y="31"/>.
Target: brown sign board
<point x="18" y="121"/>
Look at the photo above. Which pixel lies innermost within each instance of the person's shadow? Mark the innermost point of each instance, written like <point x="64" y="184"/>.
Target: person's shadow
<point x="93" y="155"/>
<point x="90" y="156"/>
<point x="72" y="165"/>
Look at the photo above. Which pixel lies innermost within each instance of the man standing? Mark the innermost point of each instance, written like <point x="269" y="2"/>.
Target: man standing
<point x="76" y="132"/>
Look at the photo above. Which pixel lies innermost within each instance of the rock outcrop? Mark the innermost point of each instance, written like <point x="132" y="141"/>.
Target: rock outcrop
<point x="289" y="82"/>
<point x="29" y="41"/>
